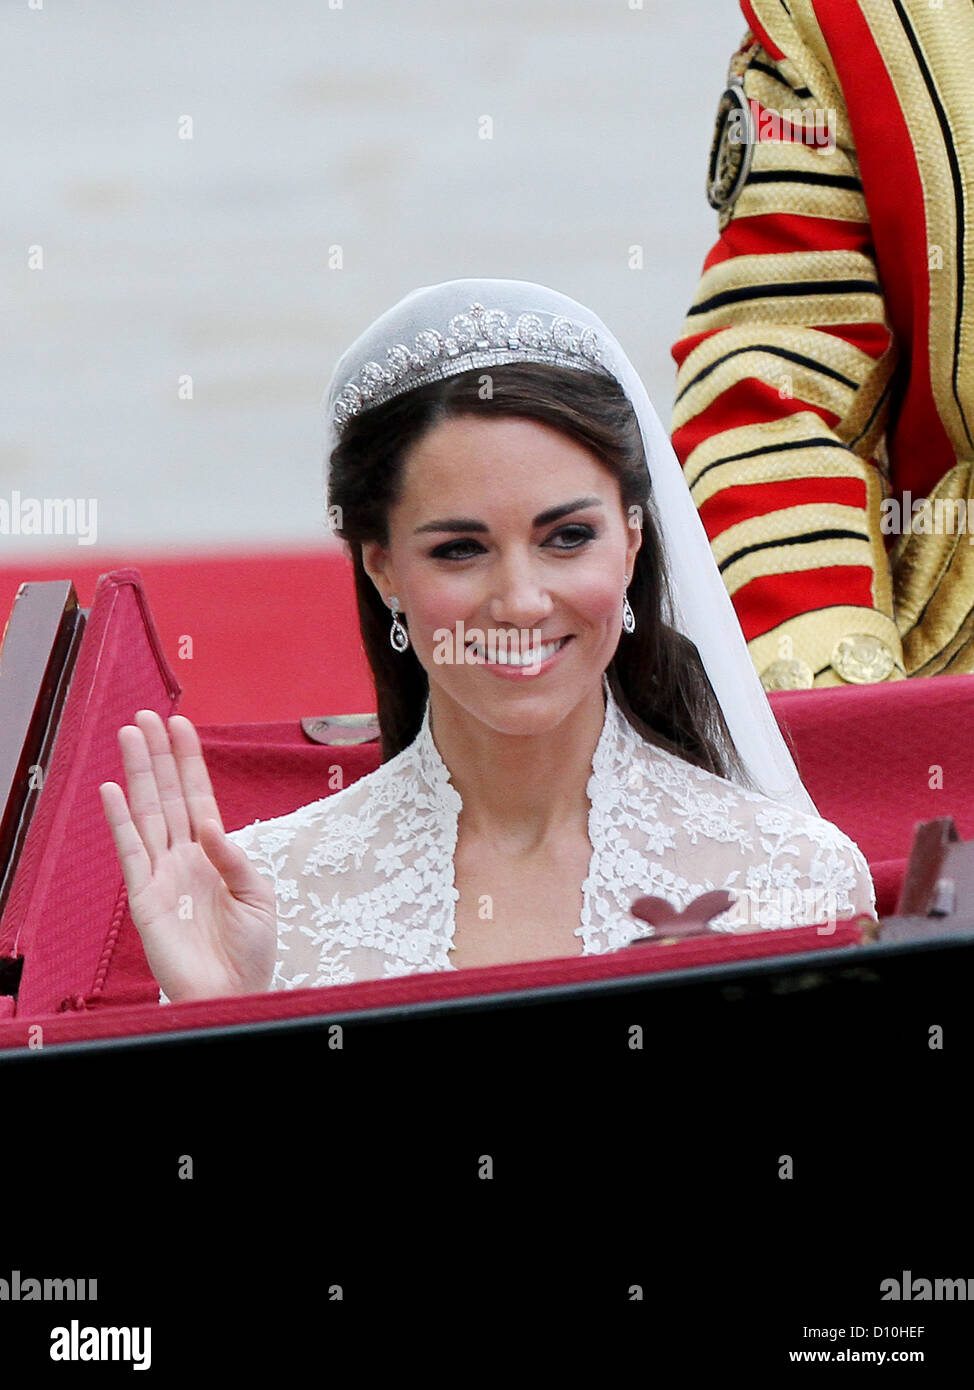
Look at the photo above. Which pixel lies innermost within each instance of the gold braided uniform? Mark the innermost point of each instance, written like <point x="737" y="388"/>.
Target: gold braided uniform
<point x="826" y="378"/>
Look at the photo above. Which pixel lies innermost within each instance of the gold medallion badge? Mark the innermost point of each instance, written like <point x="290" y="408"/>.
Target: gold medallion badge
<point x="732" y="149"/>
<point x="862" y="659"/>
<point x="787" y="674"/>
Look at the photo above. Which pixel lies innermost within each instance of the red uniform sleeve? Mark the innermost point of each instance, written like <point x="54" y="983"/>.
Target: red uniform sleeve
<point x="784" y="369"/>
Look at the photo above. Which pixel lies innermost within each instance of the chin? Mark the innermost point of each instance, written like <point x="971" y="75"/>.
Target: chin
<point x="522" y="708"/>
<point x="521" y="724"/>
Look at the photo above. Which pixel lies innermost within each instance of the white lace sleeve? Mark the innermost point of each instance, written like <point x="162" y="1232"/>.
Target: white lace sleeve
<point x="364" y="879"/>
<point x="786" y="868"/>
<point x="661" y="827"/>
<point x="313" y="858"/>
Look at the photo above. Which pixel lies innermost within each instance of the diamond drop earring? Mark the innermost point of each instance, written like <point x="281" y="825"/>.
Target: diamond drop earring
<point x="628" y="616"/>
<point x="398" y="635"/>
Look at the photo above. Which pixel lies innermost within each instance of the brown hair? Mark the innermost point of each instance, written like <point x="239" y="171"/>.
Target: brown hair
<point x="656" y="674"/>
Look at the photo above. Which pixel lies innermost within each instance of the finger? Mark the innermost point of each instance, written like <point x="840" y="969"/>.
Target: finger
<point x="167" y="777"/>
<point x="131" y="851"/>
<point x="143" y="794"/>
<point x="193" y="775"/>
<point x="232" y="862"/>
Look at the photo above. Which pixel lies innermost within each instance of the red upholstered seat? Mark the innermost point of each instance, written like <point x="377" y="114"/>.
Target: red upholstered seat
<point x="67" y="914"/>
<point x="876" y="759"/>
<point x="869" y="756"/>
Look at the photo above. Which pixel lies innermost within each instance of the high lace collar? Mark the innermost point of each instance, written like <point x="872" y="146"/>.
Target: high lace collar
<point x="366" y="878"/>
<point x="615" y="802"/>
<point x="437" y="775"/>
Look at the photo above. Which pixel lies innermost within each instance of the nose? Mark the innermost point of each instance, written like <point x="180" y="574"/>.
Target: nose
<point x="519" y="597"/>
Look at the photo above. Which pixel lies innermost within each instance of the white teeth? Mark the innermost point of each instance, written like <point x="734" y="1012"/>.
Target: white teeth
<point x="502" y="657"/>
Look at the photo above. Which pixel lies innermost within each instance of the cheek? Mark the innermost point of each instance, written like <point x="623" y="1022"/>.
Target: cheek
<point x="439" y="599"/>
<point x="595" y="597"/>
<point x="436" y="600"/>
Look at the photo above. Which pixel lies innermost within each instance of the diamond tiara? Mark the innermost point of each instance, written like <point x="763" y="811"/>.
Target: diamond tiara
<point x="478" y="338"/>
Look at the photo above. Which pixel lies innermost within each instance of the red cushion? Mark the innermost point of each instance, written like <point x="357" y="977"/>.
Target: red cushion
<point x="878" y="759"/>
<point x="67" y="914"/>
<point x="452" y="984"/>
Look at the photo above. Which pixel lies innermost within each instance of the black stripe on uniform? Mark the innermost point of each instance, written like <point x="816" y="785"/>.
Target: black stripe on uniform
<point x="816" y="443"/>
<point x="797" y="176"/>
<point x="806" y="539"/>
<point x="790" y="289"/>
<point x="958" y="199"/>
<point x="796" y="357"/>
<point x="874" y="413"/>
<point x="769" y="71"/>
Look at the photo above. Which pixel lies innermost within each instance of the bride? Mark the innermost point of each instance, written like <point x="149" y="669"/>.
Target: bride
<point x="569" y="715"/>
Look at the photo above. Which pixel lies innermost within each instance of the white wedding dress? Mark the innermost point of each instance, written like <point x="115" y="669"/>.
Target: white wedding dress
<point x="364" y="878"/>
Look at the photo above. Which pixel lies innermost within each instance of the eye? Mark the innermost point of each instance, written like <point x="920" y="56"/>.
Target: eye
<point x="583" y="534"/>
<point x="447" y="552"/>
<point x="580" y="532"/>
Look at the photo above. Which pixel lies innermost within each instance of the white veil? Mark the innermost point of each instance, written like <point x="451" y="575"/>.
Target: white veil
<point x="703" y="609"/>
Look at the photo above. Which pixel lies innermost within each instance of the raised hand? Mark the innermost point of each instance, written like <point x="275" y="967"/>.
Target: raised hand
<point x="206" y="916"/>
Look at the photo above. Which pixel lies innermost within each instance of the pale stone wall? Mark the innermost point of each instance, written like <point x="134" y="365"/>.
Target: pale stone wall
<point x="358" y="126"/>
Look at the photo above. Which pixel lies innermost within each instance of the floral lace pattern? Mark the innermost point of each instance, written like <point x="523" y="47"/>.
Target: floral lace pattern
<point x="364" y="878"/>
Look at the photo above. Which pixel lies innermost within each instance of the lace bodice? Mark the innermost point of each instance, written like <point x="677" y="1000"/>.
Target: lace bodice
<point x="364" y="878"/>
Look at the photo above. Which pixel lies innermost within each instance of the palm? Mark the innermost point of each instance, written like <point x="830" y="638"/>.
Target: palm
<point x="206" y="917"/>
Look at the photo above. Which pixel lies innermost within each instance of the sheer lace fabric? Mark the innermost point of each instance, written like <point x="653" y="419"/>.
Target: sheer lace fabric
<point x="364" y="878"/>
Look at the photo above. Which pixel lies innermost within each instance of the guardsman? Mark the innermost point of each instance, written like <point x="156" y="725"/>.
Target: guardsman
<point x="825" y="394"/>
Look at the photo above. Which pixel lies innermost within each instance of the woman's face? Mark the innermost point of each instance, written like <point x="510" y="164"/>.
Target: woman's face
<point x="481" y="570"/>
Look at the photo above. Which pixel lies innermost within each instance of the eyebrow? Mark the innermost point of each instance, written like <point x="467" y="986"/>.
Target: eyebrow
<point x="542" y="519"/>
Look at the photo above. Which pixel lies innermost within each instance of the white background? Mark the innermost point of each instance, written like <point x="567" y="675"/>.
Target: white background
<point x="313" y="127"/>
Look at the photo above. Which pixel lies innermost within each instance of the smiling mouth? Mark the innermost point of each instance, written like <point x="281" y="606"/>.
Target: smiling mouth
<point x="504" y="657"/>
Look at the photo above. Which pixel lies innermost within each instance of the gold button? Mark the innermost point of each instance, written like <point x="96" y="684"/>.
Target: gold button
<point x="787" y="674"/>
<point x="862" y="659"/>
